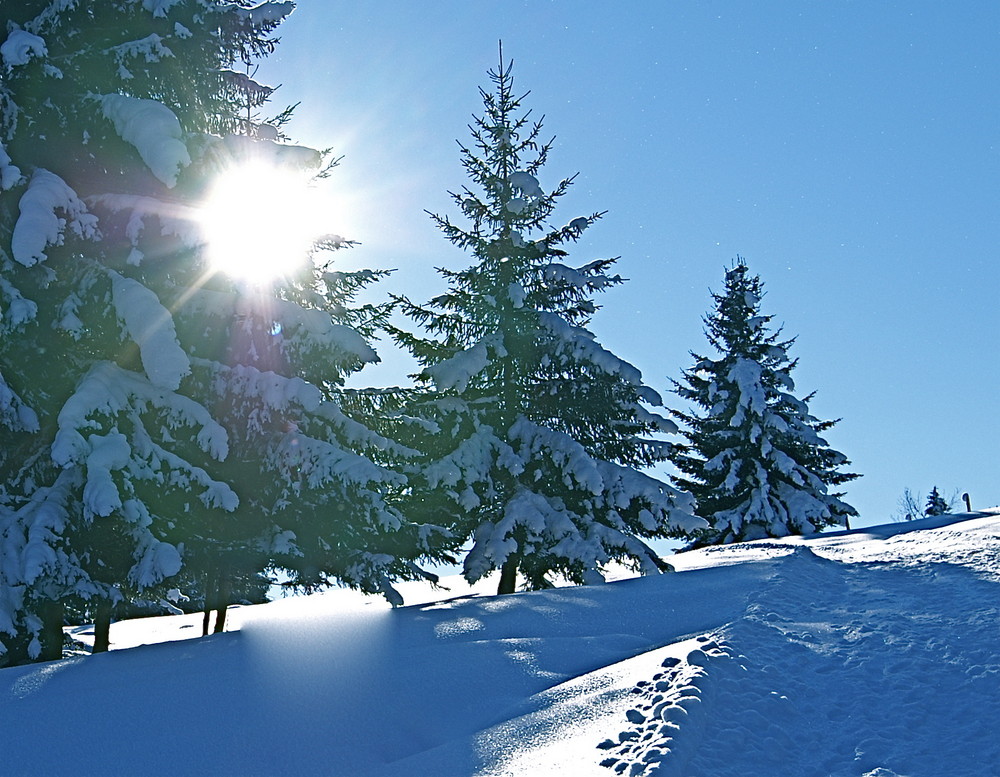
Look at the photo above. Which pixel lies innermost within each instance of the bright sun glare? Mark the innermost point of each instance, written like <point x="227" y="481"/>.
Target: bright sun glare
<point x="260" y="221"/>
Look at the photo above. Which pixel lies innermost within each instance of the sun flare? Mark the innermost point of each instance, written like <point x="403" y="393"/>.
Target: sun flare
<point x="260" y="222"/>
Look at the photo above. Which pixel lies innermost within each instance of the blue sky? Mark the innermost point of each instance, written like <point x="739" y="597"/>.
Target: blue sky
<point x="849" y="151"/>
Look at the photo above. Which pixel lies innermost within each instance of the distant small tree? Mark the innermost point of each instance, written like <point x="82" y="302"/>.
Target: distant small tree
<point x="908" y="506"/>
<point x="936" y="504"/>
<point x="912" y="506"/>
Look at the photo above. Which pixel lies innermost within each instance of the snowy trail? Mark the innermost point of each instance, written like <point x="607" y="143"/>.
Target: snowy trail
<point x="828" y="674"/>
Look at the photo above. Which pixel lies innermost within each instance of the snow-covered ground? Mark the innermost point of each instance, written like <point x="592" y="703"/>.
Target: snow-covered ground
<point x="873" y="652"/>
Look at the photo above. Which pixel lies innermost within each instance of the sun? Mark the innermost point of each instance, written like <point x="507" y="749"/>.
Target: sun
<point x="260" y="222"/>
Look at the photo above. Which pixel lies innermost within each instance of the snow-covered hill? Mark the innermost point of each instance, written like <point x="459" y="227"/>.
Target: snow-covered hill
<point x="873" y="652"/>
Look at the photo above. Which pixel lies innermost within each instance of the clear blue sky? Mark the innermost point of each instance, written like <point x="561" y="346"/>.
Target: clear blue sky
<point x="849" y="150"/>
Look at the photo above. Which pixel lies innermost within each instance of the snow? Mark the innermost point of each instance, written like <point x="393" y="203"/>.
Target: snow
<point x="10" y="175"/>
<point x="456" y="372"/>
<point x="39" y="224"/>
<point x="154" y="131"/>
<point x="151" y="327"/>
<point x="266" y="13"/>
<point x="110" y="390"/>
<point x="150" y="49"/>
<point x="19" y="48"/>
<point x="159" y="8"/>
<point x="848" y="654"/>
<point x="526" y="183"/>
<point x="14" y="414"/>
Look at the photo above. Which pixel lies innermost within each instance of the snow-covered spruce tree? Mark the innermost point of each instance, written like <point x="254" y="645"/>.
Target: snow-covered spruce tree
<point x="755" y="460"/>
<point x="155" y="412"/>
<point x="936" y="504"/>
<point x="533" y="432"/>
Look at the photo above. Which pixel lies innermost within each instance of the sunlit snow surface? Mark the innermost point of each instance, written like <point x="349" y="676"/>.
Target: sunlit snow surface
<point x="857" y="654"/>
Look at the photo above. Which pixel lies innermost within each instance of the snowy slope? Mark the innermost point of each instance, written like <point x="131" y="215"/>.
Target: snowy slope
<point x="871" y="652"/>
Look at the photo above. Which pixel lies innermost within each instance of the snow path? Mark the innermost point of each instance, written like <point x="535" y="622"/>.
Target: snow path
<point x="828" y="675"/>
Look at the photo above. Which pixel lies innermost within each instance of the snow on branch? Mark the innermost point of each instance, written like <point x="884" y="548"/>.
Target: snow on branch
<point x="308" y="328"/>
<point x="159" y="8"/>
<point x="38" y="525"/>
<point x="19" y="311"/>
<point x="673" y="509"/>
<point x="150" y="49"/>
<point x="157" y="560"/>
<point x="581" y="344"/>
<point x="471" y="462"/>
<point x="107" y="453"/>
<point x="14" y="413"/>
<point x="535" y="442"/>
<point x="257" y="92"/>
<point x="110" y="390"/>
<point x="154" y="131"/>
<point x="746" y="374"/>
<point x="321" y="463"/>
<point x="266" y="14"/>
<point x="39" y="224"/>
<point x="151" y="327"/>
<point x="582" y="278"/>
<point x="526" y="183"/>
<point x="10" y="175"/>
<point x="236" y="149"/>
<point x="456" y="372"/>
<point x="19" y="48"/>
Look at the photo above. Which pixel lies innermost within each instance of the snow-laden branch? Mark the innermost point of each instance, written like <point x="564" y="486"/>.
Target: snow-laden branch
<point x="456" y="372"/>
<point x="10" y="175"/>
<point x="151" y="327"/>
<point x="19" y="48"/>
<point x="40" y="224"/>
<point x="154" y="131"/>
<point x="109" y="390"/>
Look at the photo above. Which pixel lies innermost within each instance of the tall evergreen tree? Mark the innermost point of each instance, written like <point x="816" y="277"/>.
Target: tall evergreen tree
<point x="533" y="432"/>
<point x="755" y="459"/>
<point x="154" y="412"/>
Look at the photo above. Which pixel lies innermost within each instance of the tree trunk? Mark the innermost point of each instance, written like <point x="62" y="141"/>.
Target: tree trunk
<point x="102" y="627"/>
<point x="224" y="590"/>
<point x="52" y="631"/>
<point x="211" y="596"/>
<point x="508" y="576"/>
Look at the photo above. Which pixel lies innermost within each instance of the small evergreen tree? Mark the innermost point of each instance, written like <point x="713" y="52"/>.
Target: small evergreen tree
<point x="532" y="432"/>
<point x="936" y="504"/>
<point x="754" y="459"/>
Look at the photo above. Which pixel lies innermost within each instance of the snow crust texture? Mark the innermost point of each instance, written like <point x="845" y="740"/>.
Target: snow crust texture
<point x="857" y="654"/>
